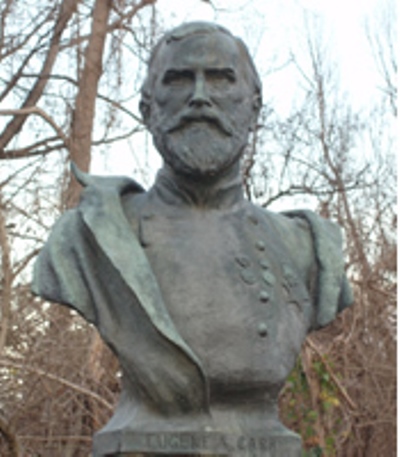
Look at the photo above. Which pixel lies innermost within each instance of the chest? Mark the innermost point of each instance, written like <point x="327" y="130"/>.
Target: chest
<point x="231" y="290"/>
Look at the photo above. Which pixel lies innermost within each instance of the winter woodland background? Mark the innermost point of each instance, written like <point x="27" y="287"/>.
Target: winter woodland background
<point x="70" y="73"/>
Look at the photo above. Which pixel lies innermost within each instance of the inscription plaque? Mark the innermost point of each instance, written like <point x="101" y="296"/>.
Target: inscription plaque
<point x="209" y="444"/>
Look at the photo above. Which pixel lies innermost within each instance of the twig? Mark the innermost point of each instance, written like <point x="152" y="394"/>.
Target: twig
<point x="334" y="378"/>
<point x="58" y="379"/>
<point x="39" y="112"/>
<point x="11" y="437"/>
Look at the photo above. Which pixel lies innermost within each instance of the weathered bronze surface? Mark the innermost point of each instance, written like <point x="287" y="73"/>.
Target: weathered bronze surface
<point x="204" y="297"/>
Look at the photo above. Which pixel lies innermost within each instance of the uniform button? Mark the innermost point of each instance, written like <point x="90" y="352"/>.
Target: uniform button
<point x="262" y="329"/>
<point x="264" y="296"/>
<point x="264" y="265"/>
<point x="260" y="245"/>
<point x="290" y="276"/>
<point x="248" y="276"/>
<point x="268" y="278"/>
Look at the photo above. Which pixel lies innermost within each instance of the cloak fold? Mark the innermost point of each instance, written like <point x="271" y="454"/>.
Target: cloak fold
<point x="94" y="264"/>
<point x="333" y="292"/>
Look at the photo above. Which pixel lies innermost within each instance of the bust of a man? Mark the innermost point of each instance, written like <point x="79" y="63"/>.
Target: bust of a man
<point x="204" y="297"/>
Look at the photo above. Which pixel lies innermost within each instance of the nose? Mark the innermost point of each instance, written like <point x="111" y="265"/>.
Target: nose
<point x="200" y="95"/>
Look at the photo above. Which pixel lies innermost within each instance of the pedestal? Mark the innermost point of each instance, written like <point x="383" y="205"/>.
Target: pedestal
<point x="197" y="444"/>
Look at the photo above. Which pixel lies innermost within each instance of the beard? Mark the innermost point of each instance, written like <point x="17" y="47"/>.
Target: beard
<point x="200" y="148"/>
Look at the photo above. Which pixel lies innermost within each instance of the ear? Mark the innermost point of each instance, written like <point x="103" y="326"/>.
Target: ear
<point x="257" y="103"/>
<point x="144" y="108"/>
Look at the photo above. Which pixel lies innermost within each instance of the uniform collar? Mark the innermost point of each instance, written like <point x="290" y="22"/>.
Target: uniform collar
<point x="222" y="193"/>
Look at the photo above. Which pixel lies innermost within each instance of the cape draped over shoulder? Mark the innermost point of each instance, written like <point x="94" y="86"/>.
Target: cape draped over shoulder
<point x="94" y="264"/>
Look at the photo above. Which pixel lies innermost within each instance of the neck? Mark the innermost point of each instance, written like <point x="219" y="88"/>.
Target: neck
<point x="220" y="191"/>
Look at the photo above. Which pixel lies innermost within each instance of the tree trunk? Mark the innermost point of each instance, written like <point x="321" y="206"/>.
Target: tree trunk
<point x="83" y="116"/>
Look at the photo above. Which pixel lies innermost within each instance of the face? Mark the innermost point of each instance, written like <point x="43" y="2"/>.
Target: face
<point x="202" y="104"/>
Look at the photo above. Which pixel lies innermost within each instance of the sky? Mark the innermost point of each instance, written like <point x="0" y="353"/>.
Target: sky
<point x="276" y="24"/>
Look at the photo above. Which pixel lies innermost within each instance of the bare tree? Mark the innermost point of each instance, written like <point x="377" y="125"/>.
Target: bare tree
<point x="63" y="94"/>
<point x="381" y="32"/>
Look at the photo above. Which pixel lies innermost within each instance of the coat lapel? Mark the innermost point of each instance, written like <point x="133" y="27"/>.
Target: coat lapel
<point x="102" y="212"/>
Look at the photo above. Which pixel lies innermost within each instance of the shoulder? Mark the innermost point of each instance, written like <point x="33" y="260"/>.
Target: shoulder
<point x="333" y="292"/>
<point x="305" y="227"/>
<point x="293" y="232"/>
<point x="293" y="229"/>
<point x="67" y="225"/>
<point x="314" y="245"/>
<point x="326" y="238"/>
<point x="318" y="225"/>
<point x="57" y="262"/>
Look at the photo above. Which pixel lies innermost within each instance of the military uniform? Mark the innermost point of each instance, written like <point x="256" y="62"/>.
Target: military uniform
<point x="206" y="306"/>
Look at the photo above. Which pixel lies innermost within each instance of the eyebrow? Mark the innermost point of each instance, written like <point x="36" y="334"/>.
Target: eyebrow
<point x="226" y="71"/>
<point x="189" y="71"/>
<point x="170" y="73"/>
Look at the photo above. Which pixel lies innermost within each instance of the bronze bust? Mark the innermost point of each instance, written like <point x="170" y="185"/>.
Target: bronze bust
<point x="204" y="297"/>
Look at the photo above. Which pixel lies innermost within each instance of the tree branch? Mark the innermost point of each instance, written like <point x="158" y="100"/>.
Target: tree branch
<point x="38" y="111"/>
<point x="100" y="96"/>
<point x="60" y="380"/>
<point x="333" y="376"/>
<point x="23" y="263"/>
<point x="6" y="282"/>
<point x="10" y="437"/>
<point x="11" y="154"/>
<point x="114" y="25"/>
<point x="22" y="43"/>
<point x="67" y="8"/>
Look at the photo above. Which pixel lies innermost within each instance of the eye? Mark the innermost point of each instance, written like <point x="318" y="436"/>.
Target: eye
<point x="177" y="77"/>
<point x="221" y="76"/>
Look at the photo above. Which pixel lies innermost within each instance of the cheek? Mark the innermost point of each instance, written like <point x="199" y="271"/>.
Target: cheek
<point x="171" y="98"/>
<point x="236" y="98"/>
<point x="239" y="108"/>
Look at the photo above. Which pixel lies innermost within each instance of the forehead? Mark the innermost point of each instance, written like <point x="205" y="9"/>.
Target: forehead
<point x="211" y="50"/>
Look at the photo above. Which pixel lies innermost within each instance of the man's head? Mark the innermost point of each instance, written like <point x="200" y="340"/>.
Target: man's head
<point x="201" y="98"/>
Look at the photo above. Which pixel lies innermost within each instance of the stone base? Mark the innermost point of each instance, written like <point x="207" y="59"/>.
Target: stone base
<point x="163" y="455"/>
<point x="196" y="444"/>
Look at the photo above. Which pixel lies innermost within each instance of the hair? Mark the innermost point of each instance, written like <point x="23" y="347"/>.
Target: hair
<point x="186" y="30"/>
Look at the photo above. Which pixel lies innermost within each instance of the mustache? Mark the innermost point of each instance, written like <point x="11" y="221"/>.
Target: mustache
<point x="204" y="115"/>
